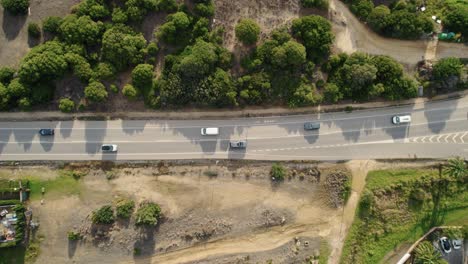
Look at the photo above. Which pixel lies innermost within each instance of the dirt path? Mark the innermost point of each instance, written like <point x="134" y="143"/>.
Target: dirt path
<point x="352" y="35"/>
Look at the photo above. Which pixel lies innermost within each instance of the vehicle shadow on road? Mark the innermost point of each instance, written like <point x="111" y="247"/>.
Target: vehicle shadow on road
<point x="94" y="135"/>
<point x="436" y="122"/>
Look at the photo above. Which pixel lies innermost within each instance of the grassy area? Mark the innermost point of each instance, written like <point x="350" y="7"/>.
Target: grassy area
<point x="14" y="255"/>
<point x="398" y="206"/>
<point x="324" y="252"/>
<point x="66" y="183"/>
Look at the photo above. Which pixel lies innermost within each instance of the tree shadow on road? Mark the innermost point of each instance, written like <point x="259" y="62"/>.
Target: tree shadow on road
<point x="437" y="122"/>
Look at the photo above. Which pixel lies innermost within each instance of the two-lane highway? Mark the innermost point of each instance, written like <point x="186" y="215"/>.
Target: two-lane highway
<point x="437" y="130"/>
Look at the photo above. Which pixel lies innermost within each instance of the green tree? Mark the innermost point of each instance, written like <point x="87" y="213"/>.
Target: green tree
<point x="305" y="95"/>
<point x="24" y="104"/>
<point x="16" y="7"/>
<point x="168" y="6"/>
<point x="6" y="75"/>
<point x="200" y="60"/>
<point x="457" y="20"/>
<point x="255" y="89"/>
<point x="34" y="30"/>
<point x="119" y="16"/>
<point x="277" y="172"/>
<point x="388" y="69"/>
<point x="95" y="92"/>
<point x="148" y="214"/>
<point x="16" y="89"/>
<point x="92" y="8"/>
<point x="247" y="31"/>
<point x="80" y="66"/>
<point x="289" y="54"/>
<point x="122" y="47"/>
<point x="80" y="30"/>
<point x="142" y="76"/>
<point x="175" y="30"/>
<point x="332" y="93"/>
<point x="425" y="253"/>
<point x="153" y="49"/>
<point x="52" y="24"/>
<point x="66" y="105"/>
<point x="377" y="18"/>
<point x="104" y="215"/>
<point x="358" y="80"/>
<point x="406" y="25"/>
<point x="362" y="8"/>
<point x="315" y="33"/>
<point x="104" y="71"/>
<point x="216" y="90"/>
<point x="456" y="168"/>
<point x="130" y="92"/>
<point x="447" y="67"/>
<point x="4" y="97"/>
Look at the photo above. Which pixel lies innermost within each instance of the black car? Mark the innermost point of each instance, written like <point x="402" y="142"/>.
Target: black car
<point x="238" y="144"/>
<point x="46" y="132"/>
<point x="311" y="125"/>
<point x="445" y="244"/>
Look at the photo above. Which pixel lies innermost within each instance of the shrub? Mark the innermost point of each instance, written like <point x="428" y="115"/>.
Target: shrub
<point x="52" y="24"/>
<point x="148" y="214"/>
<point x="104" y="215"/>
<point x="315" y="33"/>
<point x="24" y="104"/>
<point x="66" y="105"/>
<point x="204" y="9"/>
<point x="332" y="93"/>
<point x="17" y="89"/>
<point x="6" y="75"/>
<point x="16" y="7"/>
<point x="277" y="172"/>
<point x="73" y="236"/>
<point x="34" y="30"/>
<point x="124" y="208"/>
<point x="119" y="16"/>
<point x="446" y="68"/>
<point x="130" y="92"/>
<point x="142" y="76"/>
<point x="153" y="49"/>
<point x="95" y="92"/>
<point x="114" y="88"/>
<point x="104" y="71"/>
<point x="315" y="3"/>
<point x="247" y="31"/>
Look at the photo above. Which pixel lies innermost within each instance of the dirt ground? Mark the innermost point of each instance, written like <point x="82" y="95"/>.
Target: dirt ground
<point x="238" y="215"/>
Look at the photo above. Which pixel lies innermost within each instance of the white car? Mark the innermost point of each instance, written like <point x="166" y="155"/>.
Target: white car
<point x="210" y="131"/>
<point x="457" y="243"/>
<point x="109" y="148"/>
<point x="401" y="119"/>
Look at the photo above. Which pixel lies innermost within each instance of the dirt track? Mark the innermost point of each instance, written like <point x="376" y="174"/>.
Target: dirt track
<point x="352" y="35"/>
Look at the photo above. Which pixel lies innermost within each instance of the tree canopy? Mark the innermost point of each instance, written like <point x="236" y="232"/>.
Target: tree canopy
<point x="315" y="33"/>
<point x="247" y="31"/>
<point x="16" y="7"/>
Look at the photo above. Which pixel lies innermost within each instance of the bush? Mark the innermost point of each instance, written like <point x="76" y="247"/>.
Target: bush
<point x="119" y="16"/>
<point x="16" y="7"/>
<point x="52" y="24"/>
<point x="124" y="208"/>
<point x="332" y="93"/>
<point x="204" y="9"/>
<point x="362" y="8"/>
<point x="277" y="172"/>
<point x="446" y="68"/>
<point x="130" y="92"/>
<point x="24" y="104"/>
<point x="148" y="214"/>
<point x="95" y="92"/>
<point x="315" y="3"/>
<point x="247" y="31"/>
<point x="17" y="89"/>
<point x="104" y="215"/>
<point x="34" y="30"/>
<point x="6" y="75"/>
<point x="121" y="47"/>
<point x="66" y="105"/>
<point x="73" y="236"/>
<point x="104" y="71"/>
<point x="153" y="49"/>
<point x="142" y="76"/>
<point x="315" y="33"/>
<point x="114" y="88"/>
<point x="80" y="30"/>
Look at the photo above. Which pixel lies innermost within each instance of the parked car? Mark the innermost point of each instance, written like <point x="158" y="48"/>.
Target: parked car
<point x="401" y="119"/>
<point x="109" y="148"/>
<point x="210" y="131"/>
<point x="46" y="132"/>
<point x="238" y="144"/>
<point x="445" y="244"/>
<point x="311" y="125"/>
<point x="457" y="243"/>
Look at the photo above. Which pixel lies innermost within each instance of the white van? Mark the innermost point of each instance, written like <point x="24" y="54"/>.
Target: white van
<point x="210" y="131"/>
<point x="401" y="119"/>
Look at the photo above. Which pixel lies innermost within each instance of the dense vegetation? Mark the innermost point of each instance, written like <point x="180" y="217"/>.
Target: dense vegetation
<point x="16" y="7"/>
<point x="100" y="40"/>
<point x="401" y="205"/>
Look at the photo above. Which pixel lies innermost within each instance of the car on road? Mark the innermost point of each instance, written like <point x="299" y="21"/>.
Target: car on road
<point x="457" y="243"/>
<point x="241" y="144"/>
<point x="445" y="244"/>
<point x="46" y="132"/>
<point x="109" y="148"/>
<point x="401" y="119"/>
<point x="311" y="125"/>
<point x="210" y="131"/>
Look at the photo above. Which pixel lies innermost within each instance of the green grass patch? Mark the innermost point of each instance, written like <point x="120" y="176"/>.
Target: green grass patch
<point x="385" y="178"/>
<point x="63" y="184"/>
<point x="324" y="252"/>
<point x="13" y="255"/>
<point x="399" y="208"/>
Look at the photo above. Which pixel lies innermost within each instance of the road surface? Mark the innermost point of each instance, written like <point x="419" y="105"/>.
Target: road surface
<point x="438" y="130"/>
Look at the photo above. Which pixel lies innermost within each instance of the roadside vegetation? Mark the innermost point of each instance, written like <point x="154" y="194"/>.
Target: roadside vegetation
<point x="401" y="205"/>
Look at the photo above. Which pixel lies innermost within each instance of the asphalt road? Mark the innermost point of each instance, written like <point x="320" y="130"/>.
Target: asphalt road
<point x="438" y="130"/>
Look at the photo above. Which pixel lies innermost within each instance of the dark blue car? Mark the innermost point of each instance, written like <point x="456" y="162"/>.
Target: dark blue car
<point x="46" y="132"/>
